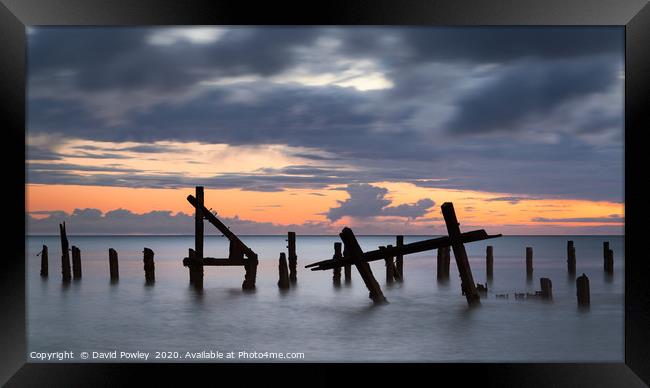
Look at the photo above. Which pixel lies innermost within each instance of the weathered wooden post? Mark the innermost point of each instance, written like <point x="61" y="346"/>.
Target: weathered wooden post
<point x="355" y="254"/>
<point x="608" y="258"/>
<point x="442" y="266"/>
<point x="112" y="264"/>
<point x="582" y="286"/>
<point x="44" y="262"/>
<point x="547" y="291"/>
<point x="529" y="263"/>
<point x="251" y="273"/>
<point x="489" y="262"/>
<point x="399" y="260"/>
<point x="293" y="258"/>
<point x="347" y="269"/>
<point x="65" y="254"/>
<point x="196" y="270"/>
<point x="571" y="257"/>
<point x="453" y="229"/>
<point x="149" y="267"/>
<point x="336" y="277"/>
<point x="283" y="269"/>
<point x="390" y="266"/>
<point x="76" y="263"/>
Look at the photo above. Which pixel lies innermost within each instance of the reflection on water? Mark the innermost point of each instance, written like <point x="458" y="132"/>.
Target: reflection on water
<point x="426" y="320"/>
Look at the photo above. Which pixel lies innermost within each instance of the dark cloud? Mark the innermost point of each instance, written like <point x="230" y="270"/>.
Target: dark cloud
<point x="522" y="97"/>
<point x="530" y="90"/>
<point x="369" y="201"/>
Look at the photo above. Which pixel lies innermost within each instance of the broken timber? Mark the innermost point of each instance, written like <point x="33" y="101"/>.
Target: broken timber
<point x="355" y="254"/>
<point x="65" y="254"/>
<point x="456" y="239"/>
<point x="237" y="249"/>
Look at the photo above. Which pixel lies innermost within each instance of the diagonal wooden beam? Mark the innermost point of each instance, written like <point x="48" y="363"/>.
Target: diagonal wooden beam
<point x="354" y="252"/>
<point x="453" y="228"/>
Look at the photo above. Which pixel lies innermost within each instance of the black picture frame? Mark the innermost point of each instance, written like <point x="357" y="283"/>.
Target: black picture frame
<point x="15" y="15"/>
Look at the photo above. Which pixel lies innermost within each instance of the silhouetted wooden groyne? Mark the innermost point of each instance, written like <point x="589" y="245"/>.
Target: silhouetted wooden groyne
<point x="529" y="263"/>
<point x="113" y="266"/>
<point x="455" y="239"/>
<point x="236" y="253"/>
<point x="65" y="254"/>
<point x="149" y="266"/>
<point x="283" y="269"/>
<point x="608" y="257"/>
<point x="44" y="262"/>
<point x="76" y="262"/>
<point x="293" y="257"/>
<point x="442" y="263"/>
<point x="399" y="260"/>
<point x="489" y="262"/>
<point x="582" y="290"/>
<point x="336" y="275"/>
<point x="571" y="257"/>
<point x="391" y="269"/>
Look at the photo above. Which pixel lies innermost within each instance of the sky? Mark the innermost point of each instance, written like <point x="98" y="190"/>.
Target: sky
<point x="312" y="129"/>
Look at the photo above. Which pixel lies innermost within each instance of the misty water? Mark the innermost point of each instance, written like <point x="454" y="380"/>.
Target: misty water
<point x="425" y="321"/>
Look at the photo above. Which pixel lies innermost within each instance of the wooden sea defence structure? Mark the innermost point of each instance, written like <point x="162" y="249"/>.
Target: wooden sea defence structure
<point x="608" y="257"/>
<point x="442" y="263"/>
<point x="149" y="267"/>
<point x="571" y="257"/>
<point x="489" y="262"/>
<point x="399" y="260"/>
<point x="44" y="262"/>
<point x="283" y="269"/>
<point x="65" y="254"/>
<point x="529" y="263"/>
<point x="113" y="267"/>
<point x="455" y="240"/>
<point x="391" y="269"/>
<point x="582" y="290"/>
<point x="76" y="262"/>
<point x="547" y="288"/>
<point x="338" y="255"/>
<point x="239" y="254"/>
<point x="293" y="258"/>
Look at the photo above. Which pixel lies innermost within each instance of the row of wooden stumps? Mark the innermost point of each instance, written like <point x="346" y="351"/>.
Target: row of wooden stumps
<point x="74" y="272"/>
<point x="287" y="271"/>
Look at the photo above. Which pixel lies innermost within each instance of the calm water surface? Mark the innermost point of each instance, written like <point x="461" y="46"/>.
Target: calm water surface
<point x="425" y="320"/>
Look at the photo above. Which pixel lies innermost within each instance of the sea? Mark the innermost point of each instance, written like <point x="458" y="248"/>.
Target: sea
<point x="426" y="320"/>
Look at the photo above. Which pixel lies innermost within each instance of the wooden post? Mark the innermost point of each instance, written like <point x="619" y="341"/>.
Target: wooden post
<point x="293" y="258"/>
<point x="489" y="261"/>
<point x="336" y="277"/>
<point x="149" y="267"/>
<point x="547" y="291"/>
<point x="399" y="260"/>
<point x="453" y="229"/>
<point x="355" y="253"/>
<point x="571" y="257"/>
<point x="348" y="273"/>
<point x="196" y="270"/>
<point x="608" y="258"/>
<point x="76" y="263"/>
<point x="283" y="269"/>
<point x="251" y="273"/>
<point x="44" y="262"/>
<point x="443" y="260"/>
<point x="582" y="286"/>
<point x="390" y="267"/>
<point x="65" y="254"/>
<point x="112" y="264"/>
<point x="529" y="263"/>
